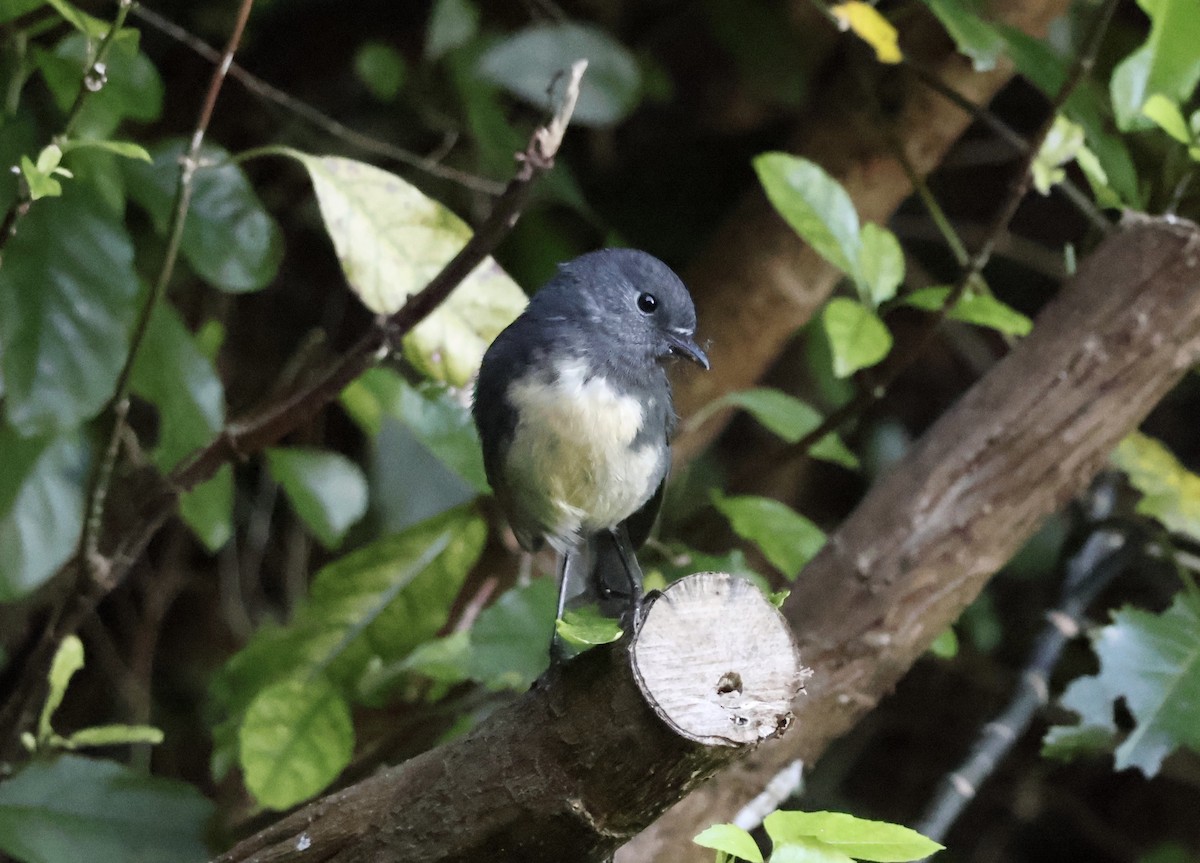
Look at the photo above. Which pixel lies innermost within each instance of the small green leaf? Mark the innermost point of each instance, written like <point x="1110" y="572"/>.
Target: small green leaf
<point x="880" y="263"/>
<point x="1095" y="733"/>
<point x="778" y="598"/>
<point x="208" y="509"/>
<point x="857" y="337"/>
<point x="876" y="841"/>
<point x="296" y="738"/>
<point x="586" y="627"/>
<point x="452" y="24"/>
<point x="1170" y="492"/>
<point x="41" y="184"/>
<point x="391" y="240"/>
<point x="381" y="68"/>
<point x="945" y="646"/>
<point x="972" y="35"/>
<point x="787" y="539"/>
<point x="526" y="63"/>
<point x="128" y="149"/>
<point x="114" y="735"/>
<point x="1061" y="146"/>
<point x="76" y="808"/>
<point x="229" y="238"/>
<point x="1167" y="63"/>
<point x="783" y="415"/>
<point x="731" y="839"/>
<point x="1168" y="117"/>
<point x="67" y="660"/>
<point x="972" y="308"/>
<point x="327" y="490"/>
<point x="86" y="24"/>
<point x="815" y="205"/>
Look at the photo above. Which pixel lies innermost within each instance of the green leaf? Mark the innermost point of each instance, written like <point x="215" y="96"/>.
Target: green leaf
<point x="1170" y="492"/>
<point x="787" y="539"/>
<point x="972" y="35"/>
<point x="445" y="659"/>
<point x="1061" y="146"/>
<point x="381" y="68"/>
<point x="778" y="597"/>
<point x="114" y="735"/>
<point x="859" y="838"/>
<point x="1168" y="117"/>
<point x="86" y="24"/>
<point x="1167" y="63"/>
<point x="437" y="416"/>
<point x="41" y="507"/>
<point x="67" y="660"/>
<point x="76" y="808"/>
<point x="509" y="640"/>
<point x="815" y="205"/>
<point x="451" y="24"/>
<point x="296" y="738"/>
<point x="68" y="290"/>
<point x="391" y="240"/>
<point x="945" y="646"/>
<point x="10" y="10"/>
<point x="174" y="375"/>
<point x="880" y="263"/>
<point x="857" y="337"/>
<point x="41" y="184"/>
<point x="1095" y="732"/>
<point x="586" y="627"/>
<point x="971" y="308"/>
<point x="527" y="63"/>
<point x="128" y="149"/>
<point x="731" y="839"/>
<point x="208" y="509"/>
<point x="229" y="239"/>
<point x="132" y="88"/>
<point x="808" y="851"/>
<point x="327" y="490"/>
<point x="783" y="415"/>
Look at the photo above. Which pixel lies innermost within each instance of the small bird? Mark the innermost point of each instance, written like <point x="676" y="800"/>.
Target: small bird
<point x="575" y="416"/>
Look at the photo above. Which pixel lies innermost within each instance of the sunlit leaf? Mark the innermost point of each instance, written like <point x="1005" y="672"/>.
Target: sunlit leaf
<point x="1061" y="146"/>
<point x="787" y="539"/>
<point x="67" y="660"/>
<point x="972" y="308"/>
<point x="871" y="27"/>
<point x="1166" y="63"/>
<point x="113" y="735"/>
<point x="732" y="840"/>
<point x="391" y="240"/>
<point x="1170" y="492"/>
<point x="857" y="337"/>
<point x="115" y="814"/>
<point x="585" y="627"/>
<point x="297" y="736"/>
<point x="128" y="149"/>
<point x="880" y="263"/>
<point x="815" y="205"/>
<point x="527" y="63"/>
<point x="972" y="35"/>
<point x="1168" y="117"/>
<point x="327" y="490"/>
<point x="859" y="838"/>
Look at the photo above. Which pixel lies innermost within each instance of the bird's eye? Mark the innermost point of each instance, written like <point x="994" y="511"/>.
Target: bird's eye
<point x="647" y="303"/>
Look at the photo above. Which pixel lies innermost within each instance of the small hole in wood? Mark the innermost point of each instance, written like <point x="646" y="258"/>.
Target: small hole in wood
<point x="730" y="681"/>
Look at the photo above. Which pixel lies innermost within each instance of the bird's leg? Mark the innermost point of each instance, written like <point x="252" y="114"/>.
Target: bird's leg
<point x="558" y="653"/>
<point x="633" y="572"/>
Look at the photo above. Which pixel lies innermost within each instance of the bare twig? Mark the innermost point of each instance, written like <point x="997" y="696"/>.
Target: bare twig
<point x="261" y="88"/>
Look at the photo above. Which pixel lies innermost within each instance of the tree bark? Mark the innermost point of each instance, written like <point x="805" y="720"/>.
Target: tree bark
<point x="580" y="763"/>
<point x="924" y="541"/>
<point x="758" y="282"/>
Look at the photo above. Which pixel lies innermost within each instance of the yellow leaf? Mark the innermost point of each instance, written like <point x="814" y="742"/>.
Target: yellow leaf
<point x="871" y="27"/>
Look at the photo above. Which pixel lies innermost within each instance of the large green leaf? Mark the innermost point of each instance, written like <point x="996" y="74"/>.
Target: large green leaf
<point x="1170" y="492"/>
<point x="41" y="506"/>
<point x="732" y="840"/>
<point x="1151" y="662"/>
<point x="229" y="239"/>
<point x="972" y="308"/>
<point x="527" y="62"/>
<point x="68" y="291"/>
<point x="857" y="337"/>
<point x="1168" y="63"/>
<point x="132" y="88"/>
<point x="296" y="738"/>
<point x="509" y="641"/>
<point x="855" y="837"/>
<point x="392" y="240"/>
<point x="327" y="490"/>
<point x="815" y="205"/>
<point x="787" y="539"/>
<point x="74" y="808"/>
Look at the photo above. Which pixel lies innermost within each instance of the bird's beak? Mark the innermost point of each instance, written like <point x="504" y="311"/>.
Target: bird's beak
<point x="684" y="345"/>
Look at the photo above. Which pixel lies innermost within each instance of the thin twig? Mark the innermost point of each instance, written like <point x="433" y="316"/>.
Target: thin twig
<point x="868" y="395"/>
<point x="261" y="88"/>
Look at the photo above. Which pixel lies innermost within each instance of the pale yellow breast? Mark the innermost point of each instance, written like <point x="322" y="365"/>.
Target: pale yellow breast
<point x="571" y="464"/>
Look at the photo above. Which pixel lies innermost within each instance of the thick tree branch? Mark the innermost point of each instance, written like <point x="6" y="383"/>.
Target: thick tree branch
<point x="918" y="549"/>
